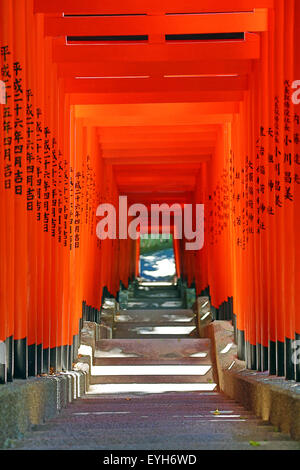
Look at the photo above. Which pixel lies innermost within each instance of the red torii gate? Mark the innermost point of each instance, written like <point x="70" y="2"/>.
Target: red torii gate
<point x="160" y="118"/>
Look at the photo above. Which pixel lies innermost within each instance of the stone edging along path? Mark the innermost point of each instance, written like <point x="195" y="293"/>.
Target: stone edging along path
<point x="27" y="403"/>
<point x="271" y="398"/>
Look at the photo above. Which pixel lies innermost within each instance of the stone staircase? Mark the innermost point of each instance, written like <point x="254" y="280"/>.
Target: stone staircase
<point x="153" y="387"/>
<point x="152" y="347"/>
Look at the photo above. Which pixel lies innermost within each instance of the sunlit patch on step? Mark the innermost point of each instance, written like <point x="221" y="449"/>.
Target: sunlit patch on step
<point x="155" y="284"/>
<point x="144" y="316"/>
<point x="114" y="352"/>
<point x="227" y="420"/>
<point x="151" y="303"/>
<point x="199" y="354"/>
<point x="227" y="348"/>
<point x="85" y="413"/>
<point x="164" y="330"/>
<point x="150" y="370"/>
<point x="150" y="388"/>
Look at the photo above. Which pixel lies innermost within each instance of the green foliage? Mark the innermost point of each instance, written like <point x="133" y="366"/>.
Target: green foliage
<point x="155" y="243"/>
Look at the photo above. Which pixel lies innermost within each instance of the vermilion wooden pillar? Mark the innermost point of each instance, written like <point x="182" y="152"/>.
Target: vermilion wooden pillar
<point x="289" y="235"/>
<point x="279" y="181"/>
<point x="7" y="196"/>
<point x="22" y="285"/>
<point x="272" y="223"/>
<point x="69" y="143"/>
<point x="31" y="145"/>
<point x="296" y="228"/>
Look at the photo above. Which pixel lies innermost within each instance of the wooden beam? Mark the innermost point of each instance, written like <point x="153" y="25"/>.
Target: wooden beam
<point x="173" y="159"/>
<point x="107" y="7"/>
<point x="156" y="97"/>
<point x="155" y="131"/>
<point x="157" y="168"/>
<point x="149" y="198"/>
<point x="156" y="147"/>
<point x="144" y="152"/>
<point x="147" y="25"/>
<point x="220" y="118"/>
<point x="173" y="52"/>
<point x="157" y="187"/>
<point x="156" y="85"/>
<point x="167" y="138"/>
<point x="150" y="176"/>
<point x="109" y="68"/>
<point x="152" y="114"/>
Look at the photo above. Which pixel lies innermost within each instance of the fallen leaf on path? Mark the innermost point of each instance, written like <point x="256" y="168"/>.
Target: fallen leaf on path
<point x="254" y="443"/>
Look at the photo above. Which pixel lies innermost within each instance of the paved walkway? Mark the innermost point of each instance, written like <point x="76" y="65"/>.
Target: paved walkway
<point x="156" y="421"/>
<point x="153" y="387"/>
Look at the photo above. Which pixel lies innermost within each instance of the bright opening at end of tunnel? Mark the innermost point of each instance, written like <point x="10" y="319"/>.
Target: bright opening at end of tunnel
<point x="157" y="261"/>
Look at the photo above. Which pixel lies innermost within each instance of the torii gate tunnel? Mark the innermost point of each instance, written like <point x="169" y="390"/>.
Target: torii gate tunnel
<point x="162" y="101"/>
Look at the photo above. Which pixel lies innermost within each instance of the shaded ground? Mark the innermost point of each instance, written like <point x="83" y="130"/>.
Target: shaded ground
<point x="132" y="403"/>
<point x="186" y="420"/>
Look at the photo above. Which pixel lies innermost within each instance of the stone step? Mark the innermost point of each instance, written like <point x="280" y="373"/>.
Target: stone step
<point x="155" y="316"/>
<point x="156" y="285"/>
<point x="156" y="299"/>
<point x="153" y="304"/>
<point x="123" y="325"/>
<point x="117" y="390"/>
<point x="125" y="416"/>
<point x="122" y="335"/>
<point x="161" y="348"/>
<point x="152" y="331"/>
<point x="158" y="295"/>
<point x="153" y="379"/>
<point x="147" y="374"/>
<point x="205" y="400"/>
<point x="115" y="361"/>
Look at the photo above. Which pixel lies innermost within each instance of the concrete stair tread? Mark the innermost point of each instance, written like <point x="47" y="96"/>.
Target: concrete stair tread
<point x="122" y="325"/>
<point x="155" y="416"/>
<point x="181" y="317"/>
<point x="148" y="306"/>
<point x="92" y="442"/>
<point x="162" y="294"/>
<point x="135" y="330"/>
<point x="156" y="285"/>
<point x="176" y="311"/>
<point x="153" y="298"/>
<point x="164" y="369"/>
<point x="114" y="361"/>
<point x="143" y="334"/>
<point x="152" y="374"/>
<point x="153" y="348"/>
<point x="154" y="304"/>
<point x="149" y="336"/>
<point x="150" y="379"/>
<point x="154" y="324"/>
<point x="160" y="300"/>
<point x="149" y="312"/>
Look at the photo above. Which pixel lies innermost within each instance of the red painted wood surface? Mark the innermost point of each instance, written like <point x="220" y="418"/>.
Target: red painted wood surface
<point x="202" y="121"/>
